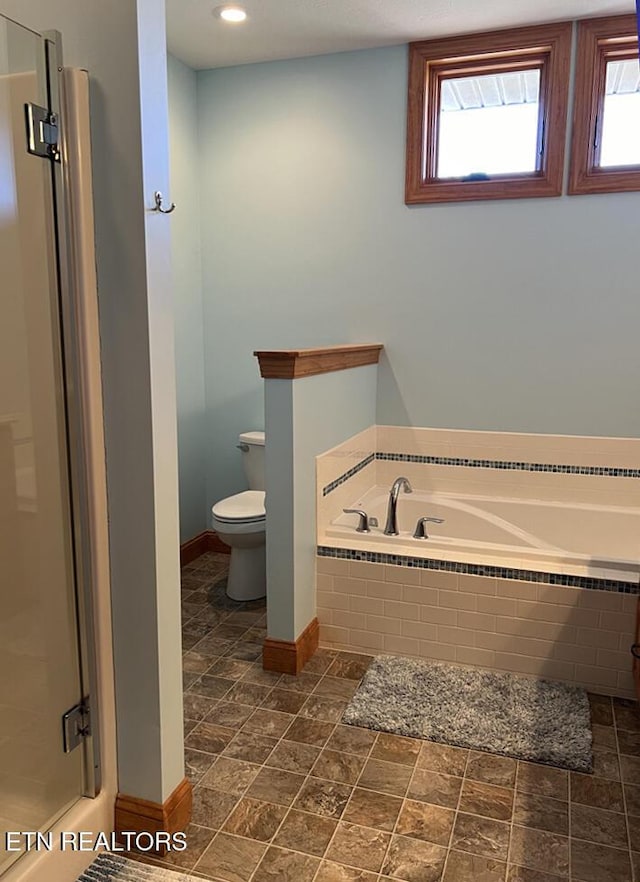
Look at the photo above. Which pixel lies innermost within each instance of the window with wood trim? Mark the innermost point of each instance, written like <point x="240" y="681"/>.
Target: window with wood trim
<point x="487" y="115"/>
<point x="605" y="151"/>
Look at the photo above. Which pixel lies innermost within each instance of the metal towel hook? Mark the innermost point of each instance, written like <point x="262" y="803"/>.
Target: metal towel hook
<point x="158" y="198"/>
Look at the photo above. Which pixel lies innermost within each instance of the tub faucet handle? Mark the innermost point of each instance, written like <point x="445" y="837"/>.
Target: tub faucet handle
<point x="363" y="523"/>
<point x="420" y="531"/>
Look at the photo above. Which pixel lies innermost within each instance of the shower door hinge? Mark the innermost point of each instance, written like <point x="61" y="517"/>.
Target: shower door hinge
<point x="42" y="132"/>
<point x="76" y="725"/>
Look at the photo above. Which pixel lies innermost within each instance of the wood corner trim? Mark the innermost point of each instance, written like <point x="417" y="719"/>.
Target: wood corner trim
<point x="142" y="816"/>
<point x="290" y="657"/>
<point x="208" y="540"/>
<point x="290" y="364"/>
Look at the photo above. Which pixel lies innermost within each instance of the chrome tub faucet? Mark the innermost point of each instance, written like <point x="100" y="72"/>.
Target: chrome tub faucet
<point x="391" y="527"/>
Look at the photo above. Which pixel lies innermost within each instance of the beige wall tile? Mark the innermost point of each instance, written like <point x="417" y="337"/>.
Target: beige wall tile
<point x="331" y="634"/>
<point x="387" y="590"/>
<point x="518" y="590"/>
<point x="598" y="638"/>
<point x="609" y="601"/>
<point x="439" y="579"/>
<point x="401" y="645"/>
<point x="416" y="594"/>
<point x="404" y="575"/>
<point x="477" y="621"/>
<point x="584" y="655"/>
<point x="332" y="566"/>
<point x="458" y="636"/>
<point x="477" y="584"/>
<point x="324" y="582"/>
<point x="457" y="600"/>
<point x="439" y="651"/>
<point x="365" y="640"/>
<point x="608" y="658"/>
<point x="362" y="569"/>
<point x="439" y="615"/>
<point x="345" y="619"/>
<point x="532" y="628"/>
<point x="345" y="585"/>
<point x="614" y="621"/>
<point x="384" y="625"/>
<point x="372" y="605"/>
<point x="499" y="606"/>
<point x="592" y="675"/>
<point x="466" y="655"/>
<point x="421" y="630"/>
<point x="397" y="609"/>
<point x="331" y="600"/>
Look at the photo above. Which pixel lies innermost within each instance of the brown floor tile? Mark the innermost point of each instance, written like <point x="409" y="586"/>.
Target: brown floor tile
<point x="442" y="758"/>
<point x="246" y="651"/>
<point x="188" y="726"/>
<point x="342" y="767"/>
<point x="304" y="832"/>
<point x="320" y="662"/>
<point x="196" y="707"/>
<point x="604" y="738"/>
<point x="396" y="749"/>
<point x="196" y="663"/>
<point x="276" y="785"/>
<point x="482" y="836"/>
<point x="196" y="764"/>
<point x="629" y="743"/>
<point x="414" y="861"/>
<point x="256" y="674"/>
<point x="606" y="765"/>
<point x="491" y="769"/>
<point x="542" y="780"/>
<point x="317" y="707"/>
<point x="358" y="847"/>
<point x="231" y="715"/>
<point x="332" y="872"/>
<point x="540" y="850"/>
<point x="541" y="812"/>
<point x="249" y="747"/>
<point x="524" y="874"/>
<point x="350" y="666"/>
<point x="313" y="732"/>
<point x="598" y="825"/>
<point x="230" y="668"/>
<point x="326" y="798"/>
<point x="597" y="863"/>
<point x="350" y="739"/>
<point x="230" y="858"/>
<point x="294" y="757"/>
<point x="487" y="800"/>
<point x="255" y="819"/>
<point x="230" y="775"/>
<point x="212" y="687"/>
<point x="248" y="693"/>
<point x="462" y="867"/>
<point x="627" y="714"/>
<point x="198" y="840"/>
<point x="334" y="687"/>
<point x="287" y="702"/>
<point x="209" y="738"/>
<point x="304" y="682"/>
<point x="632" y="797"/>
<point x="267" y="722"/>
<point x="369" y="809"/>
<point x="282" y="865"/>
<point x="434" y="787"/>
<point x="597" y="792"/>
<point x="432" y="823"/>
<point x="385" y="777"/>
<point x="630" y="769"/>
<point x="211" y="807"/>
<point x="635" y="865"/>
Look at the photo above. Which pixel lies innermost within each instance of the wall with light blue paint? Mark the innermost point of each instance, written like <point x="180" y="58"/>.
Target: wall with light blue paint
<point x="517" y="315"/>
<point x="188" y="307"/>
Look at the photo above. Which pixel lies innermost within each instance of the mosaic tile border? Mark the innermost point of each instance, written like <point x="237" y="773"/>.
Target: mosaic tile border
<point x="601" y="471"/>
<point x="502" y="465"/>
<point x="468" y="569"/>
<point x="345" y="477"/>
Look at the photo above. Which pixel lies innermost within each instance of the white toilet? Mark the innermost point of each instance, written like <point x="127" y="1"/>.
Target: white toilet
<point x="240" y="521"/>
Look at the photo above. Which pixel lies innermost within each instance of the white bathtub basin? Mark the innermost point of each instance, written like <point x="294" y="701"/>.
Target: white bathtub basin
<point x="579" y="539"/>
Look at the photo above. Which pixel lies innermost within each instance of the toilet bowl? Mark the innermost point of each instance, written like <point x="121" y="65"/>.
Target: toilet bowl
<point x="240" y="521"/>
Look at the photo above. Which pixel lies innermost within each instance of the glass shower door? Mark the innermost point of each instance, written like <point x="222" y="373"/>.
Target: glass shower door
<point x="39" y="658"/>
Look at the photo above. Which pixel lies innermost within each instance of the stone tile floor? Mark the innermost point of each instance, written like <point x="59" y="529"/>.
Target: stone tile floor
<point x="283" y="792"/>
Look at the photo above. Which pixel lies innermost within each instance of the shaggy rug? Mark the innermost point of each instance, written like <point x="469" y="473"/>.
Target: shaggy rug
<point x="115" y="868"/>
<point x="538" y="720"/>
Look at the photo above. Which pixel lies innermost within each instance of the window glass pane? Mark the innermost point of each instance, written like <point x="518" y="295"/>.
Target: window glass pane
<point x="488" y="124"/>
<point x="621" y="119"/>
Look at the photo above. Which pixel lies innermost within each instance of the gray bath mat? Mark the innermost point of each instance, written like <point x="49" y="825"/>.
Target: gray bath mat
<point x="538" y="720"/>
<point x="115" y="868"/>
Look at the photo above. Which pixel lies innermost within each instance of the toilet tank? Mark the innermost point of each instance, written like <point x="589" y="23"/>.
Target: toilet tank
<point x="252" y="446"/>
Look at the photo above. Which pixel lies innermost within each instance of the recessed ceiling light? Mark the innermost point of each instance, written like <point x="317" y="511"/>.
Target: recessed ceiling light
<point x="233" y="14"/>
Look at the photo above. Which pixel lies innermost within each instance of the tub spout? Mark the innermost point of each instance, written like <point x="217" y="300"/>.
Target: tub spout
<point x="391" y="527"/>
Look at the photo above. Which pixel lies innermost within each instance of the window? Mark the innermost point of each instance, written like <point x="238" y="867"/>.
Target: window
<point x="605" y="154"/>
<point x="487" y="115"/>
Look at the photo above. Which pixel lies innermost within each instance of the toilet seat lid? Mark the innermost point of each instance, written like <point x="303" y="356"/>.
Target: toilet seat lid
<point x="246" y="506"/>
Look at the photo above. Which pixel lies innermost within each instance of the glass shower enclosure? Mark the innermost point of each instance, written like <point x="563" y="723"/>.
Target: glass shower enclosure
<point x="43" y="772"/>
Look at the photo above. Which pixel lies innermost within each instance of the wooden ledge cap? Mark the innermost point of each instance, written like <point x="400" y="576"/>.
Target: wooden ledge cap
<point x="289" y="364"/>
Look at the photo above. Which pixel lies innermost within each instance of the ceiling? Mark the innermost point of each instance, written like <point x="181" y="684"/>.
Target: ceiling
<point x="277" y="29"/>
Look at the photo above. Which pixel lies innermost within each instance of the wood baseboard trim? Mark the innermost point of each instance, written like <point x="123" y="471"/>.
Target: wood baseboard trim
<point x="136" y="815"/>
<point x="290" y="657"/>
<point x="208" y="540"/>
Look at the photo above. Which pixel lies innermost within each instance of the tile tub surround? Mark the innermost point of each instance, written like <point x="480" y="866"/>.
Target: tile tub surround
<point x="284" y="793"/>
<point x="571" y="634"/>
